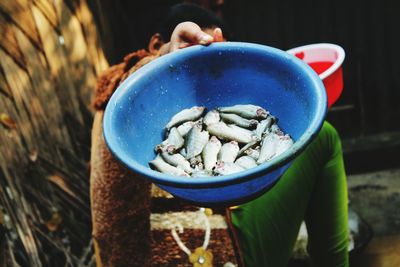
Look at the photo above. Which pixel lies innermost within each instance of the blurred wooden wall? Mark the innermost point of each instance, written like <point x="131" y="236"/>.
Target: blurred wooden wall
<point x="50" y="57"/>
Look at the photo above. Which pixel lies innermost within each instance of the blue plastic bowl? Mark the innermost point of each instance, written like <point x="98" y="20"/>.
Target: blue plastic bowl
<point x="221" y="74"/>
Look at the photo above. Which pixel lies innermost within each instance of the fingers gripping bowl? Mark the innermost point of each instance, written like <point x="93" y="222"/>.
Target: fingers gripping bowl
<point x="222" y="74"/>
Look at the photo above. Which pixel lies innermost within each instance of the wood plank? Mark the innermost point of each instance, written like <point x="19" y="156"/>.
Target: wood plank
<point x="8" y="41"/>
<point x="45" y="92"/>
<point x="82" y="72"/>
<point x="48" y="11"/>
<point x="95" y="51"/>
<point x="12" y="149"/>
<point x="13" y="164"/>
<point x="19" y="83"/>
<point x="19" y="12"/>
<point x="4" y="88"/>
<point x="55" y="53"/>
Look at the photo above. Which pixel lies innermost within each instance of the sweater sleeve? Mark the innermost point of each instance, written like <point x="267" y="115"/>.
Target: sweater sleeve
<point x="115" y="75"/>
<point x="120" y="202"/>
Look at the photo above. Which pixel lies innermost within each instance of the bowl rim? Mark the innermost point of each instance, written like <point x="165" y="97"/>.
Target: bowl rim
<point x="216" y="181"/>
<point x="335" y="66"/>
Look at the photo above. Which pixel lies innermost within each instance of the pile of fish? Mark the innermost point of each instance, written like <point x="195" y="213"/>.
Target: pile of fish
<point x="225" y="140"/>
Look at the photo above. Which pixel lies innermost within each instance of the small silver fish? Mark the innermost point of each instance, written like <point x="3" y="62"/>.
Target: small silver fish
<point x="269" y="145"/>
<point x="243" y="131"/>
<point x="201" y="173"/>
<point x="159" y="164"/>
<point x="221" y="130"/>
<point x="246" y="162"/>
<point x="275" y="129"/>
<point x="175" y="138"/>
<point x="196" y="162"/>
<point x="263" y="126"/>
<point x="285" y="142"/>
<point x="199" y="166"/>
<point x="160" y="147"/>
<point x="249" y="145"/>
<point x="189" y="114"/>
<point x="246" y="111"/>
<point x="228" y="152"/>
<point x="189" y="150"/>
<point x="225" y="168"/>
<point x="173" y="143"/>
<point x="177" y="160"/>
<point x="210" y="153"/>
<point x="196" y="139"/>
<point x="211" y="117"/>
<point x="185" y="127"/>
<point x="183" y="152"/>
<point x="254" y="153"/>
<point x="239" y="121"/>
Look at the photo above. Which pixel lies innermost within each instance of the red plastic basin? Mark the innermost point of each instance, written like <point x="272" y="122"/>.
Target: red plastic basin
<point x="326" y="60"/>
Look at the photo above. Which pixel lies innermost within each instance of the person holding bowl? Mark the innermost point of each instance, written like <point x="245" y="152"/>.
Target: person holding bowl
<point x="313" y="189"/>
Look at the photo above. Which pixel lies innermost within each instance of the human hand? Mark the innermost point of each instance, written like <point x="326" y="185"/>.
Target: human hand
<point x="187" y="34"/>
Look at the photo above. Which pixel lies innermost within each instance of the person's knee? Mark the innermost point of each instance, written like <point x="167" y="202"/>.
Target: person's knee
<point x="330" y="138"/>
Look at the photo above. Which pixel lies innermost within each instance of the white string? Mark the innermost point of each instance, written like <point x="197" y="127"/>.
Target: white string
<point x="208" y="229"/>
<point x="179" y="227"/>
<point x="178" y="240"/>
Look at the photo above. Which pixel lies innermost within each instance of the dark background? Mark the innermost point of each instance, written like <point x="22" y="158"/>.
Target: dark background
<point x="367" y="115"/>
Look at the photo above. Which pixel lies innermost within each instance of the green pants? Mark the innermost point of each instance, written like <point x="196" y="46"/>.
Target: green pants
<point x="312" y="189"/>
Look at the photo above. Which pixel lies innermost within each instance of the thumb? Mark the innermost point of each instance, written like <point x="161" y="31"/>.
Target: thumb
<point x="191" y="33"/>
